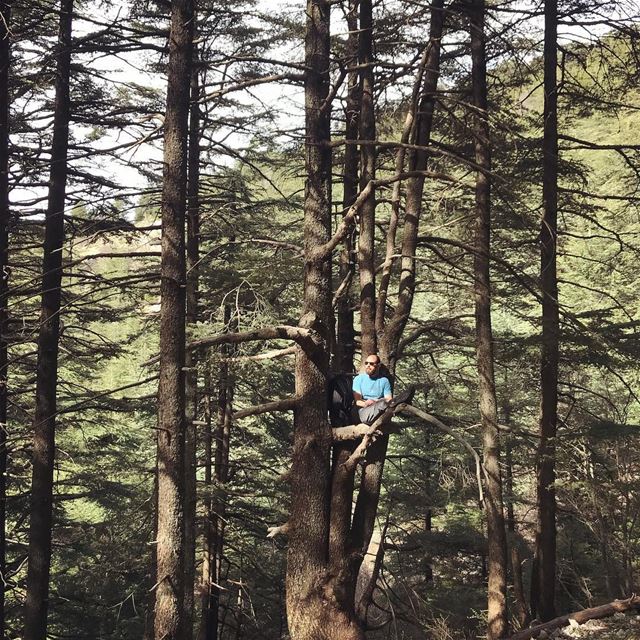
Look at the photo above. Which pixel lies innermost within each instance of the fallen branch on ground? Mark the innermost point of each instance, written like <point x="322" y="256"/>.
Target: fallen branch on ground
<point x="594" y="613"/>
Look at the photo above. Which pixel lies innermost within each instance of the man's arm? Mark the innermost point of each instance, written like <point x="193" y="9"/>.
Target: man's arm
<point x="387" y="390"/>
<point x="360" y="401"/>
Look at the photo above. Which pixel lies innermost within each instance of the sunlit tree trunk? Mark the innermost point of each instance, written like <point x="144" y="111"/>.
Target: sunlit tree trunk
<point x="546" y="496"/>
<point x="40" y="530"/>
<point x="169" y="608"/>
<point x="522" y="610"/>
<point x="209" y="607"/>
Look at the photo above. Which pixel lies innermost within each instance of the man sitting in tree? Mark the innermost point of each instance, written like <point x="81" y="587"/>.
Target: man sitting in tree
<point x="371" y="390"/>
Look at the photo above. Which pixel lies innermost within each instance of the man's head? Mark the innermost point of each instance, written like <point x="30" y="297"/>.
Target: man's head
<point x="372" y="364"/>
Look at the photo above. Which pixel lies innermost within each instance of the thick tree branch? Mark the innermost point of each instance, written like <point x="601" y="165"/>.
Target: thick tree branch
<point x="306" y="338"/>
<point x="267" y="355"/>
<point x="350" y="432"/>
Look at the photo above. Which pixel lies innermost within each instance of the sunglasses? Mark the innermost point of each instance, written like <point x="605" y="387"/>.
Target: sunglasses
<point x="372" y="364"/>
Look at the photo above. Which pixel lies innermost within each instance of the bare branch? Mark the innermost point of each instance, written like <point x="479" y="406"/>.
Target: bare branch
<point x="267" y="355"/>
<point x="427" y="417"/>
<point x="306" y="338"/>
<point x="286" y="404"/>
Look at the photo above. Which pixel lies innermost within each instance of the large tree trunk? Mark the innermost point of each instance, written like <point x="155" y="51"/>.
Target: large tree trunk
<point x="169" y="609"/>
<point x="5" y="12"/>
<point x="546" y="497"/>
<point x="496" y="535"/>
<point x="312" y="613"/>
<point x="191" y="357"/>
<point x="39" y="564"/>
<point x="366" y="237"/>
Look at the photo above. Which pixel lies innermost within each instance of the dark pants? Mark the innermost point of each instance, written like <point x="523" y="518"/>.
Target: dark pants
<point x="369" y="414"/>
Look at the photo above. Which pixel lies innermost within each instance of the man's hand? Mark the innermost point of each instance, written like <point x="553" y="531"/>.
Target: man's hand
<point x="368" y="403"/>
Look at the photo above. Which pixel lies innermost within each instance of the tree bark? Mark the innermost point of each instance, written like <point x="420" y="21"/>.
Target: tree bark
<point x="494" y="513"/>
<point x="415" y="189"/>
<point x="191" y="357"/>
<point x="345" y="335"/>
<point x="218" y="505"/>
<point x="170" y="585"/>
<point x="40" y="530"/>
<point x="371" y="480"/>
<point x="5" y="61"/>
<point x="366" y="237"/>
<point x="546" y="497"/>
<point x="312" y="613"/>
<point x="522" y="610"/>
<point x="209" y="610"/>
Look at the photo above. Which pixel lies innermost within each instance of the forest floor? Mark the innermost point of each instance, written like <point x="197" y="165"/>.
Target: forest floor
<point x="620" y="626"/>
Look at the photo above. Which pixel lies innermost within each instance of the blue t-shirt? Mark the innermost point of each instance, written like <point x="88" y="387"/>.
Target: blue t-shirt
<point x="371" y="388"/>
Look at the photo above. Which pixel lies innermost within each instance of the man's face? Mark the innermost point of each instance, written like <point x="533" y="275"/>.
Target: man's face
<point x="371" y="365"/>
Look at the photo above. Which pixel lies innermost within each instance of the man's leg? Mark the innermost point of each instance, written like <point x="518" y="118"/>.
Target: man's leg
<point x="370" y="413"/>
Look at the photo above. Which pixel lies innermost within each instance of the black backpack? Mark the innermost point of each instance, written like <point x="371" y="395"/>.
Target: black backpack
<point x="340" y="400"/>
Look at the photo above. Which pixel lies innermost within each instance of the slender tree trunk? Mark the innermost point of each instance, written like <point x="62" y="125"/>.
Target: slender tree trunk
<point x="496" y="535"/>
<point x="546" y="497"/>
<point x="366" y="238"/>
<point x="516" y="562"/>
<point x="169" y="609"/>
<point x="345" y="342"/>
<point x="415" y="189"/>
<point x="209" y="608"/>
<point x="40" y="530"/>
<point x="342" y="481"/>
<point x="371" y="480"/>
<point x="149" y="616"/>
<point x="5" y="60"/>
<point x="191" y="356"/>
<point x="221" y="470"/>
